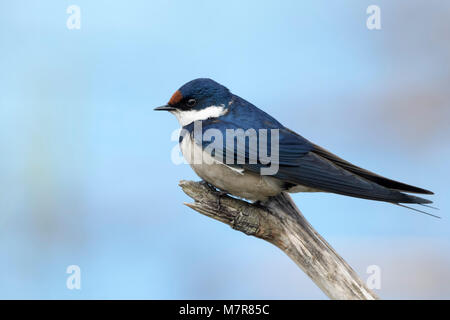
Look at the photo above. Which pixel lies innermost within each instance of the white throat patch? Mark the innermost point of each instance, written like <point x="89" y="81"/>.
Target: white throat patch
<point x="189" y="116"/>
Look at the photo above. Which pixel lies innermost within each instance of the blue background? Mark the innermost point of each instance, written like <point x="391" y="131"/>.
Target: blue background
<point x="86" y="176"/>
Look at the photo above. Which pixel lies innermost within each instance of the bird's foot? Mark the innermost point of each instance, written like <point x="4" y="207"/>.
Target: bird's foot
<point x="220" y="194"/>
<point x="208" y="185"/>
<point x="217" y="192"/>
<point x="257" y="203"/>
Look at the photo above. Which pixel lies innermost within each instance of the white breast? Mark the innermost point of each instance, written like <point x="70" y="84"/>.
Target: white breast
<point x="240" y="183"/>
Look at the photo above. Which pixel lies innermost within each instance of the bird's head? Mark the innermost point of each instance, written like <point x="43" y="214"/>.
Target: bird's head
<point x="198" y="99"/>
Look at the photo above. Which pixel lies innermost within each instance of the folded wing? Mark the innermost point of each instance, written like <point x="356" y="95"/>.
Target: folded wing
<point x="301" y="162"/>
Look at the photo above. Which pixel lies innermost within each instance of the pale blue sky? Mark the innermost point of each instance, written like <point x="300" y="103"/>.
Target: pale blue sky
<point x="86" y="176"/>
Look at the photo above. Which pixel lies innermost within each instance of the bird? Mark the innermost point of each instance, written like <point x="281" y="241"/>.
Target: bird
<point x="301" y="165"/>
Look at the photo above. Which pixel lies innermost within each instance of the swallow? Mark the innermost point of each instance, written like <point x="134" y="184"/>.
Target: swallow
<point x="301" y="166"/>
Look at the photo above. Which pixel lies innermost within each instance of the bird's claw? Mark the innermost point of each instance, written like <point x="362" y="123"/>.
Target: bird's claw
<point x="220" y="194"/>
<point x="216" y="191"/>
<point x="208" y="185"/>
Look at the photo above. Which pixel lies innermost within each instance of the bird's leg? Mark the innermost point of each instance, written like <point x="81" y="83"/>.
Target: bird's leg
<point x="218" y="192"/>
<point x="257" y="203"/>
<point x="208" y="185"/>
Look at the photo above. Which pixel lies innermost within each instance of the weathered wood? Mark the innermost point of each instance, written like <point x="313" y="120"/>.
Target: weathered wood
<point x="281" y="223"/>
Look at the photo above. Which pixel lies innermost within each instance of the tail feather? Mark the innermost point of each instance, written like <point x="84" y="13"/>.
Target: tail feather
<point x="406" y="198"/>
<point x="417" y="210"/>
<point x="431" y="207"/>
<point x="368" y="175"/>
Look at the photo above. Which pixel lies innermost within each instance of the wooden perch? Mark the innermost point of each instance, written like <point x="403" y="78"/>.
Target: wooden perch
<point x="281" y="223"/>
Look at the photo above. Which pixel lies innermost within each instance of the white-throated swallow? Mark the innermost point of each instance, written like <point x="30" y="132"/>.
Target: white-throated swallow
<point x="301" y="166"/>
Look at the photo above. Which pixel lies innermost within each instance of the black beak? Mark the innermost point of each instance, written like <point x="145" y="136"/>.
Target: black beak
<point x="165" y="108"/>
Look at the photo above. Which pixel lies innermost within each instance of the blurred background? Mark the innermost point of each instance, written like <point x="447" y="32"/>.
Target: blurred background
<point x="86" y="176"/>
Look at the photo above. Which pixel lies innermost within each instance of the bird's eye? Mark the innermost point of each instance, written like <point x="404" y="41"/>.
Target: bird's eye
<point x="191" y="102"/>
